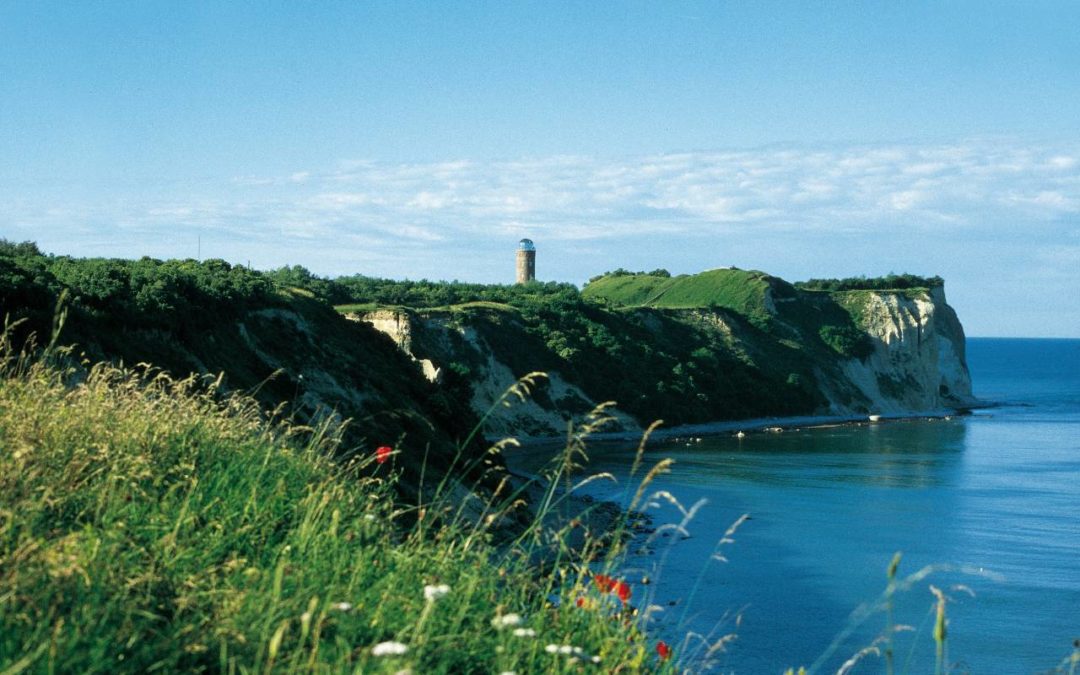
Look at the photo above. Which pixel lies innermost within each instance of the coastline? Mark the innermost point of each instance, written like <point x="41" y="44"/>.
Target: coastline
<point x="760" y="425"/>
<point x="600" y="515"/>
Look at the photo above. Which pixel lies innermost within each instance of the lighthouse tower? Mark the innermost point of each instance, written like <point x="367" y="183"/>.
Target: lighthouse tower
<point x="526" y="261"/>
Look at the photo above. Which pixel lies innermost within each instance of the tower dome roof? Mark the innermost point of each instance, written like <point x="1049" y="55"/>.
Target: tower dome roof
<point x="526" y="245"/>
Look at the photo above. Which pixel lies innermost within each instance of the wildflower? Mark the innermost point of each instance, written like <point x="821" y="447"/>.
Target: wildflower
<point x="390" y="648"/>
<point x="524" y="632"/>
<point x="605" y="583"/>
<point x="571" y="651"/>
<point x="383" y="453"/>
<point x="433" y="592"/>
<point x="608" y="584"/>
<point x="341" y="606"/>
<point x="663" y="650"/>
<point x="506" y="620"/>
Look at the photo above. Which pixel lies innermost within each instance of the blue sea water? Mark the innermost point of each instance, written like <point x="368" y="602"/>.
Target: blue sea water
<point x="990" y="500"/>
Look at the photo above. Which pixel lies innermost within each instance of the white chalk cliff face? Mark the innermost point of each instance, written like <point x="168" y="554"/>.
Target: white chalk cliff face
<point x="918" y="362"/>
<point x="399" y="327"/>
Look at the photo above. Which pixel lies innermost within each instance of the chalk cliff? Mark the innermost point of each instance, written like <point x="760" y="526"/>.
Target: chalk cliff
<point x="917" y="363"/>
<point x="790" y="352"/>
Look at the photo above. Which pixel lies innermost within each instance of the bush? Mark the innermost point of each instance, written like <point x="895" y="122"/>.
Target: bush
<point x="889" y="282"/>
<point x="847" y="341"/>
<point x="620" y="272"/>
<point x="137" y="293"/>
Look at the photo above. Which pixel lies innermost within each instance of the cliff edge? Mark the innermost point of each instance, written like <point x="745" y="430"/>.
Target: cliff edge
<point x="918" y="362"/>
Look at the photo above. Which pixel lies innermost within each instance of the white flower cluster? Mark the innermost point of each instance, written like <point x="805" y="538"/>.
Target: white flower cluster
<point x="390" y="648"/>
<point x="434" y="592"/>
<point x="572" y="651"/>
<point x="506" y="621"/>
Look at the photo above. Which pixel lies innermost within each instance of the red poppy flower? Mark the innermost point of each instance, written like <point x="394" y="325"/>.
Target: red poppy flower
<point x="382" y="454"/>
<point x="607" y="584"/>
<point x="663" y="650"/>
<point x="580" y="602"/>
<point x="622" y="589"/>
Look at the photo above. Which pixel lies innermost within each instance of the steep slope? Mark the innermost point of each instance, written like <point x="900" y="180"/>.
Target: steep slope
<point x="918" y="361"/>
<point x="885" y="350"/>
<point x="294" y="353"/>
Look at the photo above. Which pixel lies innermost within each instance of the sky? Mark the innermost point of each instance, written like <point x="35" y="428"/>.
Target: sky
<point x="422" y="140"/>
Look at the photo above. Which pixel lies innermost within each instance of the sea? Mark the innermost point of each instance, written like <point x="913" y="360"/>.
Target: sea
<point x="984" y="507"/>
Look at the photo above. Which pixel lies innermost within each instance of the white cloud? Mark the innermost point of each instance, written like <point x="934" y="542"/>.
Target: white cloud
<point x="986" y="187"/>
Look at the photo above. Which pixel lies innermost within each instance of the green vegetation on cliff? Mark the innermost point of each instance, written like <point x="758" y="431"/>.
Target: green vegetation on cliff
<point x="889" y="282"/>
<point x="722" y="344"/>
<point x="210" y="317"/>
<point x="738" y="290"/>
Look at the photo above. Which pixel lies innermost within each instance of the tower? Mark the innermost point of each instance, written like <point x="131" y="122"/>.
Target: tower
<point x="526" y="261"/>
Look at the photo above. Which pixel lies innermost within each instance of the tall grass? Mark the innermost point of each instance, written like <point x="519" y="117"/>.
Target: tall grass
<point x="150" y="524"/>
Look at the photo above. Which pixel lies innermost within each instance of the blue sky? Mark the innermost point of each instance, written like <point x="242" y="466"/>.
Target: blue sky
<point x="423" y="139"/>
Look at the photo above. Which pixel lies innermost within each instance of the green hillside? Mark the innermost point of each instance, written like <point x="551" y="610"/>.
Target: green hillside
<point x="742" y="291"/>
<point x="722" y="344"/>
<point x="293" y="352"/>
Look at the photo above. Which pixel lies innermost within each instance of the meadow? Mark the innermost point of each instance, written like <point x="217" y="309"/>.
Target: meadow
<point x="149" y="524"/>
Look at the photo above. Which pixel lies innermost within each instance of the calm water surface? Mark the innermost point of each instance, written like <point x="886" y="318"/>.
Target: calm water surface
<point x="998" y="491"/>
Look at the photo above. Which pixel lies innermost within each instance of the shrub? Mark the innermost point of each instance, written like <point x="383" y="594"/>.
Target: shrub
<point x="888" y="282"/>
<point x="847" y="341"/>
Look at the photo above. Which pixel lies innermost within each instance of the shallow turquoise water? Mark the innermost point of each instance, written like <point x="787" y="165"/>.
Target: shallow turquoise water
<point x="996" y="494"/>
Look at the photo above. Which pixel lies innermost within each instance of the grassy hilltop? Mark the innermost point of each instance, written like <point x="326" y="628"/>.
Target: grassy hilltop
<point x="740" y="291"/>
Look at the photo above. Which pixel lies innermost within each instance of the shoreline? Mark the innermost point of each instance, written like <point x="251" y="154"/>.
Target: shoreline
<point x="759" y="425"/>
